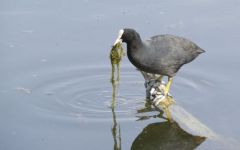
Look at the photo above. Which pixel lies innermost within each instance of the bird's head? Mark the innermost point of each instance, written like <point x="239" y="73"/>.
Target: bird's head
<point x="126" y="35"/>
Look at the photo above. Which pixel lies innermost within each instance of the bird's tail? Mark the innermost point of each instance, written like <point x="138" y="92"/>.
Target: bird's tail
<point x="201" y="51"/>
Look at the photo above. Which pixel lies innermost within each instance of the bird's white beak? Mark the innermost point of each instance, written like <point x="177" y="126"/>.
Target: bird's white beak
<point x="119" y="40"/>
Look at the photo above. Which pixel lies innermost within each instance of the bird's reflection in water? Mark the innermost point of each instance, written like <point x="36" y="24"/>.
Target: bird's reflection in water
<point x="116" y="131"/>
<point x="144" y="113"/>
<point x="163" y="135"/>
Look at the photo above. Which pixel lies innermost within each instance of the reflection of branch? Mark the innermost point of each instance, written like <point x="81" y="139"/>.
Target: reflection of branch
<point x="114" y="89"/>
<point x="116" y="131"/>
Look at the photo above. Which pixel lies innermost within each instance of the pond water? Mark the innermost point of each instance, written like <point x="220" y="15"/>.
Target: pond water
<point x="55" y="90"/>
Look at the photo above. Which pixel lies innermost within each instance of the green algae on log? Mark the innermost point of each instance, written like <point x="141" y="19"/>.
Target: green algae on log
<point x="116" y="56"/>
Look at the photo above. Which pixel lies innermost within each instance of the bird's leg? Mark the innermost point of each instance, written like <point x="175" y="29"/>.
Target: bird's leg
<point x="160" y="78"/>
<point x="168" y="86"/>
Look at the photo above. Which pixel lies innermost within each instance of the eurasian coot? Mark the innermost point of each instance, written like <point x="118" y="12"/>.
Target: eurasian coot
<point x="161" y="54"/>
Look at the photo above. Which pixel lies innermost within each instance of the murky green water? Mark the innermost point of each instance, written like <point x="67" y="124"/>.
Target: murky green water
<point x="55" y="90"/>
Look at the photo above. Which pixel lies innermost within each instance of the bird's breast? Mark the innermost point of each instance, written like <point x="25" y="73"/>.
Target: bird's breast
<point x="142" y="60"/>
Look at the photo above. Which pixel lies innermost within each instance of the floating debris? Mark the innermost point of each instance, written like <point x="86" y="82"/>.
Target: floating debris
<point x="27" y="31"/>
<point x="25" y="90"/>
<point x="48" y="93"/>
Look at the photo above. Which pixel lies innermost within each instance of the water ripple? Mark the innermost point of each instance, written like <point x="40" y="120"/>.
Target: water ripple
<point x="86" y="92"/>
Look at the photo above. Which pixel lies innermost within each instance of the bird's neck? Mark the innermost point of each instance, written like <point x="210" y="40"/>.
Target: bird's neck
<point x="133" y="48"/>
<point x="134" y="45"/>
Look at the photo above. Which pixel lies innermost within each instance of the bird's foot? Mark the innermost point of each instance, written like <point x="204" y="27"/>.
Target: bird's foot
<point x="158" y="100"/>
<point x="164" y="101"/>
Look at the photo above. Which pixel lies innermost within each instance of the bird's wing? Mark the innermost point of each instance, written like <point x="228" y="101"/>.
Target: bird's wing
<point x="170" y="47"/>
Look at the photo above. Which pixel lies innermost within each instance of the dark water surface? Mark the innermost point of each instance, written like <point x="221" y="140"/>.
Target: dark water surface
<point x="55" y="71"/>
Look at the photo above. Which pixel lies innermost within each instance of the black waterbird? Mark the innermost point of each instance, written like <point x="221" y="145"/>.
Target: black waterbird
<point x="161" y="54"/>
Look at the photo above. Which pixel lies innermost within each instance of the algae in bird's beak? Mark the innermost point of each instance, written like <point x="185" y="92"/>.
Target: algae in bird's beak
<point x="116" y="54"/>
